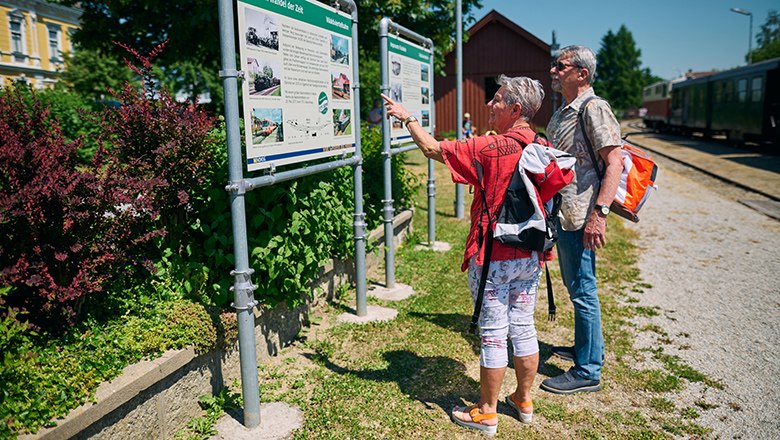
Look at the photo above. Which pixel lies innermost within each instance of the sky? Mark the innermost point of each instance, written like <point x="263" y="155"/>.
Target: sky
<point x="674" y="36"/>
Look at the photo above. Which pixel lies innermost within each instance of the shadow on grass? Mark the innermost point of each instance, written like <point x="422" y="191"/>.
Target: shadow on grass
<point x="433" y="381"/>
<point x="460" y="323"/>
<point x="454" y="322"/>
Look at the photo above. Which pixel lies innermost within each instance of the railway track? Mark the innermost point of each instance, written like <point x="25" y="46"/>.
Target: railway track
<point x="755" y="174"/>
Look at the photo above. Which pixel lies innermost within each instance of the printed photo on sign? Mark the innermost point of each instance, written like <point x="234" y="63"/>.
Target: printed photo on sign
<point x="395" y="92"/>
<point x="339" y="85"/>
<point x="339" y="49"/>
<point x="425" y="121"/>
<point x="267" y="127"/>
<point x="342" y="122"/>
<point x="397" y="124"/>
<point x="395" y="65"/>
<point x="264" y="77"/>
<point x="425" y="97"/>
<point x="261" y="30"/>
<point x="424" y="72"/>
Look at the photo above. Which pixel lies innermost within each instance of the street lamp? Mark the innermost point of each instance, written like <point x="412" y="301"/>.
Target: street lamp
<point x="750" y="31"/>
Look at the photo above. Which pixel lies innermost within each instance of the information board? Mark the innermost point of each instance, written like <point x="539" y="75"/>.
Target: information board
<point x="297" y="61"/>
<point x="410" y="84"/>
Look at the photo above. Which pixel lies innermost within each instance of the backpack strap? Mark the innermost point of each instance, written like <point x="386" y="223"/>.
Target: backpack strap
<point x="488" y="251"/>
<point x="551" y="309"/>
<point x="485" y="270"/>
<point x="581" y="119"/>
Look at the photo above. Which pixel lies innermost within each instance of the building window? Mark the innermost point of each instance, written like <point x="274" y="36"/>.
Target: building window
<point x="757" y="89"/>
<point x="54" y="44"/>
<point x="17" y="37"/>
<point x="491" y="87"/>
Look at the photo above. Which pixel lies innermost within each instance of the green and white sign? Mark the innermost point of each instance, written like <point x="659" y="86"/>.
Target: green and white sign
<point x="298" y="60"/>
<point x="411" y="83"/>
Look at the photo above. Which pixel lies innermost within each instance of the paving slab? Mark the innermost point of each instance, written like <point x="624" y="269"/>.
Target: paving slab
<point x="437" y="246"/>
<point x="373" y="314"/>
<point x="277" y="421"/>
<point x="397" y="293"/>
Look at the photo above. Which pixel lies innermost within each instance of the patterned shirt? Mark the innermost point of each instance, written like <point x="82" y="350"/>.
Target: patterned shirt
<point x="486" y="162"/>
<point x="564" y="132"/>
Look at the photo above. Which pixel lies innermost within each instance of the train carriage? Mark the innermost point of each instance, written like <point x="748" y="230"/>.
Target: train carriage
<point x="743" y="104"/>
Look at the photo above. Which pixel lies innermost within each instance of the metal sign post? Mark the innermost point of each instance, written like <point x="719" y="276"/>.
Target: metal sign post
<point x="459" y="205"/>
<point x="274" y="138"/>
<point x="406" y="64"/>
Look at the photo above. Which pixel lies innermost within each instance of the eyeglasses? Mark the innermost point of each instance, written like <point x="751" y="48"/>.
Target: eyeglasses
<point x="561" y="66"/>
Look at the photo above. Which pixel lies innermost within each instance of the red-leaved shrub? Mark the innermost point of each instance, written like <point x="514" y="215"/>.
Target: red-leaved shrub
<point x="154" y="138"/>
<point x="64" y="231"/>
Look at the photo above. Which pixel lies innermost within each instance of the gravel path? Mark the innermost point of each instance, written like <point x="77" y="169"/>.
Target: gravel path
<point x="713" y="264"/>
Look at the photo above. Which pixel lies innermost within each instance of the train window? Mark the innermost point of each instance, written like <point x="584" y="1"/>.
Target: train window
<point x="658" y="89"/>
<point x="742" y="90"/>
<point x="756" y="87"/>
<point x="665" y="91"/>
<point x="717" y="92"/>
<point x="728" y="91"/>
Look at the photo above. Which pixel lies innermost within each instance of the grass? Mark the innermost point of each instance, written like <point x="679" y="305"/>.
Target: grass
<point x="399" y="379"/>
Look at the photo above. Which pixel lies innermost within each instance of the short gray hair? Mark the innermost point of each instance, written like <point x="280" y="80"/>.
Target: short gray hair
<point x="583" y="57"/>
<point x="524" y="91"/>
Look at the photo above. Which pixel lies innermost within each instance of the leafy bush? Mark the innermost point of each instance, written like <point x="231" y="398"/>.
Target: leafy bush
<point x="46" y="376"/>
<point x="65" y="230"/>
<point x="404" y="183"/>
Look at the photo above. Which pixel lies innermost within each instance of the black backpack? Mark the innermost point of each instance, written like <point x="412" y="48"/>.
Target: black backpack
<point x="515" y="210"/>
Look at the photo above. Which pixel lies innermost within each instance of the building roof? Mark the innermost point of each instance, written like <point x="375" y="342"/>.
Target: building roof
<point x="495" y="16"/>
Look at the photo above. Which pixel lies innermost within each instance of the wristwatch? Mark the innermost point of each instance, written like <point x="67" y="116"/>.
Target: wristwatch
<point x="409" y="120"/>
<point x="603" y="209"/>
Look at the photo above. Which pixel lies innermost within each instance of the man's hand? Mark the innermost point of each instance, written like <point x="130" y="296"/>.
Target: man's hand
<point x="595" y="231"/>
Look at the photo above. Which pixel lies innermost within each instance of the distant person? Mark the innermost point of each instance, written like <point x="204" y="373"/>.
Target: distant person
<point x="586" y="203"/>
<point x="507" y="312"/>
<point x="375" y="114"/>
<point x="468" y="126"/>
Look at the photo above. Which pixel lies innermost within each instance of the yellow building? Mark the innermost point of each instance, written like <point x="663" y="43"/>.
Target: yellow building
<point x="34" y="34"/>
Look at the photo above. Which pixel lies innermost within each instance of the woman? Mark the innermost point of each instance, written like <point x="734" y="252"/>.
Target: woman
<point x="507" y="313"/>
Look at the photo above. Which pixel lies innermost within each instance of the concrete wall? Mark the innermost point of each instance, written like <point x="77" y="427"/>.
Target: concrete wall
<point x="156" y="398"/>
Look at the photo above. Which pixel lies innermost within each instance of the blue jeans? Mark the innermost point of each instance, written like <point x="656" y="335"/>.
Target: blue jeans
<point x="578" y="268"/>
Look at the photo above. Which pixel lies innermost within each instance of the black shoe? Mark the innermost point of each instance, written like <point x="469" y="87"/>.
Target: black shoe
<point x="565" y="353"/>
<point x="569" y="383"/>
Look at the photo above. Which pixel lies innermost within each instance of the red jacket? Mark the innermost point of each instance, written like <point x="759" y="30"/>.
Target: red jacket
<point x="494" y="157"/>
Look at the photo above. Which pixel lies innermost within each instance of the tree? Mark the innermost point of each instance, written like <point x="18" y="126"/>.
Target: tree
<point x="619" y="75"/>
<point x="768" y="38"/>
<point x="191" y="60"/>
<point x="90" y="72"/>
<point x="434" y="19"/>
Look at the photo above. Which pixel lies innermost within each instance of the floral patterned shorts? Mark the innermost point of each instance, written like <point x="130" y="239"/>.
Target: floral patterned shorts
<point x="507" y="308"/>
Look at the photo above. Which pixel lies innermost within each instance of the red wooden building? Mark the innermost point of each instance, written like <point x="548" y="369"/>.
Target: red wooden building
<point x="496" y="45"/>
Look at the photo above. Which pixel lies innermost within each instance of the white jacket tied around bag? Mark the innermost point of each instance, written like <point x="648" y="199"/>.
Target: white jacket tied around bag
<point x="541" y="172"/>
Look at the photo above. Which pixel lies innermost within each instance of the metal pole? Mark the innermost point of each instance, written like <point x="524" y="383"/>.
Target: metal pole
<point x="357" y="176"/>
<point x="387" y="201"/>
<point x="750" y="41"/>
<point x="431" y="177"/>
<point x="750" y="31"/>
<point x="459" y="211"/>
<point x="243" y="289"/>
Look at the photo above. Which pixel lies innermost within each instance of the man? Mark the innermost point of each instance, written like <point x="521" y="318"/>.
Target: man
<point x="487" y="163"/>
<point x="586" y="202"/>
